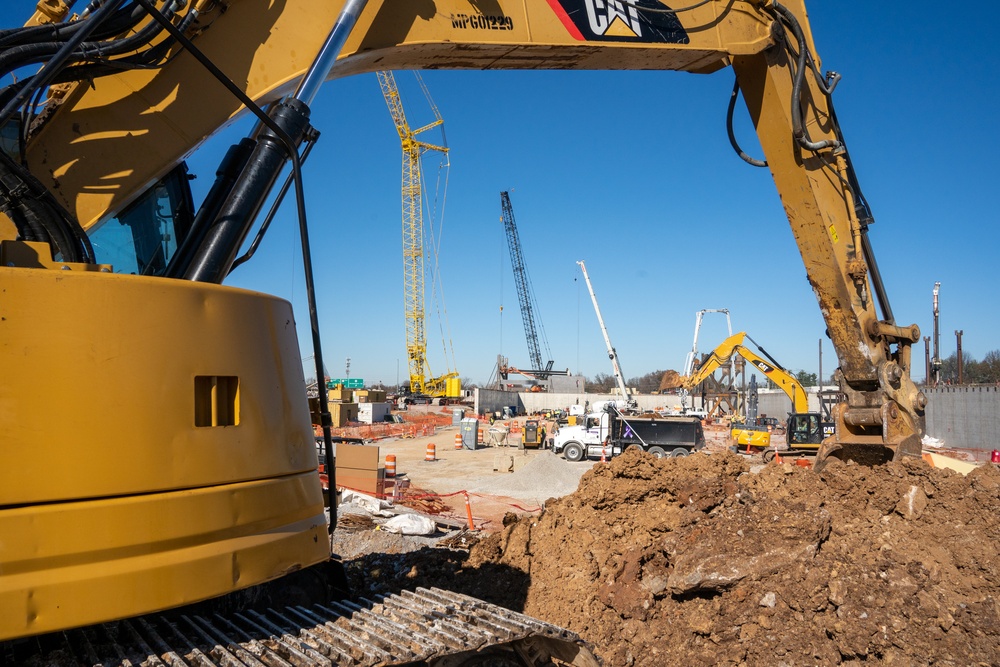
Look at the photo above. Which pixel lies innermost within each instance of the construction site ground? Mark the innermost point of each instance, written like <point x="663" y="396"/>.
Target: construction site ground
<point x="710" y="559"/>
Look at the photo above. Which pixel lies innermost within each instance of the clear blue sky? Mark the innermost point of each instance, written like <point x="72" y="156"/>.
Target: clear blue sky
<point x="632" y="172"/>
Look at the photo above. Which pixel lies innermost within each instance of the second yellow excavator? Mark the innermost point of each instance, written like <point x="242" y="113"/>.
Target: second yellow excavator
<point x="804" y="430"/>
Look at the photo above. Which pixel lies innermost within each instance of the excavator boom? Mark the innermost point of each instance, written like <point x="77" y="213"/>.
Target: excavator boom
<point x="775" y="373"/>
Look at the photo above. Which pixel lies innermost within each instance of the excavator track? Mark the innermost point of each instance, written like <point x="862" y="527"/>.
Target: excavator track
<point x="423" y="627"/>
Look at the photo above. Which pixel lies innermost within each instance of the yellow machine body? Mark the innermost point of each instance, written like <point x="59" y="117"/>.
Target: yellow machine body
<point x="750" y="437"/>
<point x="133" y="482"/>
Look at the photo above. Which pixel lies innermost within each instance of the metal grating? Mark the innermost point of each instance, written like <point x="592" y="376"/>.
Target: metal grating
<point x="412" y="626"/>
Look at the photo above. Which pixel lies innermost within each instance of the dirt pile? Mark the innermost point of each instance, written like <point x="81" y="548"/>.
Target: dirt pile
<point x="697" y="561"/>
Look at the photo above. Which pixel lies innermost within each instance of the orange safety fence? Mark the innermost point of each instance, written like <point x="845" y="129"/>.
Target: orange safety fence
<point x="379" y="431"/>
<point x="428" y="418"/>
<point x="424" y="500"/>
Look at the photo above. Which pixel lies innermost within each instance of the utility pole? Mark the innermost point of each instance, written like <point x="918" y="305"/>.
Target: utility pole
<point x="927" y="360"/>
<point x="936" y="360"/>
<point x="958" y="336"/>
<point x="823" y="405"/>
<point x="820" y="379"/>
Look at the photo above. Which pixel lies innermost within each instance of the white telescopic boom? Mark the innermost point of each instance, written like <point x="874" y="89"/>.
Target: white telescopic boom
<point x="607" y="341"/>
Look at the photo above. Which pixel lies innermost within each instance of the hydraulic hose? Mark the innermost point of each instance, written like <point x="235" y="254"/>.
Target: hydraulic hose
<point x="732" y="135"/>
<point x="798" y="129"/>
<point x="35" y="53"/>
<point x="58" y="60"/>
<point x="37" y="215"/>
<point x="123" y="19"/>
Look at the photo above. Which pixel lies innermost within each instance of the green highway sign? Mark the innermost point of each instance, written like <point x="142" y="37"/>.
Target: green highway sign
<point x="346" y="383"/>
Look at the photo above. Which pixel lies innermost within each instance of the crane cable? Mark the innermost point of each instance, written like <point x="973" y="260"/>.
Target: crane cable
<point x="444" y="325"/>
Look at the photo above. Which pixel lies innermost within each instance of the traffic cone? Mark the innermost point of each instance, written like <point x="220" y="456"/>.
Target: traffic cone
<point x="777" y="458"/>
<point x="604" y="458"/>
<point x="468" y="511"/>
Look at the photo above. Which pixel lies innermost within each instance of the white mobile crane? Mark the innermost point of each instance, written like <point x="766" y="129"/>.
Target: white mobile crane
<point x="630" y="402"/>
<point x="692" y="356"/>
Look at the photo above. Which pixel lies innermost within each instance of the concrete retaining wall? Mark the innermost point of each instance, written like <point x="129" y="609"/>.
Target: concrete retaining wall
<point x="966" y="417"/>
<point x="490" y="400"/>
<point x="775" y="403"/>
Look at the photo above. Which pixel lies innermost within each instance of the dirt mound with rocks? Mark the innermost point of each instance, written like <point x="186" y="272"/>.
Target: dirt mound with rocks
<point x="698" y="561"/>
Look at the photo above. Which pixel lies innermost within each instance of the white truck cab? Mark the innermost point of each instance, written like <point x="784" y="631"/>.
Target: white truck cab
<point x="584" y="440"/>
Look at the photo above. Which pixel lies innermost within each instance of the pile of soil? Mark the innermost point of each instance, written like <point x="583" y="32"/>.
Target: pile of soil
<point x="697" y="561"/>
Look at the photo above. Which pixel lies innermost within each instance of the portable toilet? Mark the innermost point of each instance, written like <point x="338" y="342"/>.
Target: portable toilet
<point x="470" y="433"/>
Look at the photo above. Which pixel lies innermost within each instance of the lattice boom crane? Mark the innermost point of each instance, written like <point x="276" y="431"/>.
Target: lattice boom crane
<point x="524" y="295"/>
<point x="421" y="380"/>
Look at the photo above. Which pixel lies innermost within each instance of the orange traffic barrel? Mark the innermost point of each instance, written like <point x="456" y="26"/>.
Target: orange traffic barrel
<point x="479" y="436"/>
<point x="431" y="452"/>
<point x="390" y="465"/>
<point x="458" y="441"/>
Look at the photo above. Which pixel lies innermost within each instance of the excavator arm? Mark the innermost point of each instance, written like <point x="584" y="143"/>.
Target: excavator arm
<point x="719" y="356"/>
<point x="779" y="376"/>
<point x="774" y="372"/>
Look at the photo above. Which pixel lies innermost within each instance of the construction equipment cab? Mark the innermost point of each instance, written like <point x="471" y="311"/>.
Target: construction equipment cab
<point x="205" y="481"/>
<point x="533" y="435"/>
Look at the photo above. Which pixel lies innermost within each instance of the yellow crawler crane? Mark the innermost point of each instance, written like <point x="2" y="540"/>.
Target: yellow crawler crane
<point x="421" y="379"/>
<point x="186" y="469"/>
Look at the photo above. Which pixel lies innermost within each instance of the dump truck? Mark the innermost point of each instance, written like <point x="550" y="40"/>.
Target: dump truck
<point x="609" y="433"/>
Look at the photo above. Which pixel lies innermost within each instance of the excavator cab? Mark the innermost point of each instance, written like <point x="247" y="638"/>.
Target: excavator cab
<point x="804" y="429"/>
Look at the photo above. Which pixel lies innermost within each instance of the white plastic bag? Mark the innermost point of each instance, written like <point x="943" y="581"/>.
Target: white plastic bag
<point x="410" y="524"/>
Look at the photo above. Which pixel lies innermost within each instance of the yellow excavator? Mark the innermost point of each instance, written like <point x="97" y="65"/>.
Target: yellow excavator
<point x="804" y="430"/>
<point x="188" y="470"/>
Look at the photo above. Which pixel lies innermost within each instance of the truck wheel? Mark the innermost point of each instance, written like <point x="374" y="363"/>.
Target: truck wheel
<point x="658" y="452"/>
<point x="573" y="451"/>
<point x="678" y="452"/>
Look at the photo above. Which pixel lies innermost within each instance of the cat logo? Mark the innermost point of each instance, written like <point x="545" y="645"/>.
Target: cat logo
<point x="763" y="366"/>
<point x="619" y="21"/>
